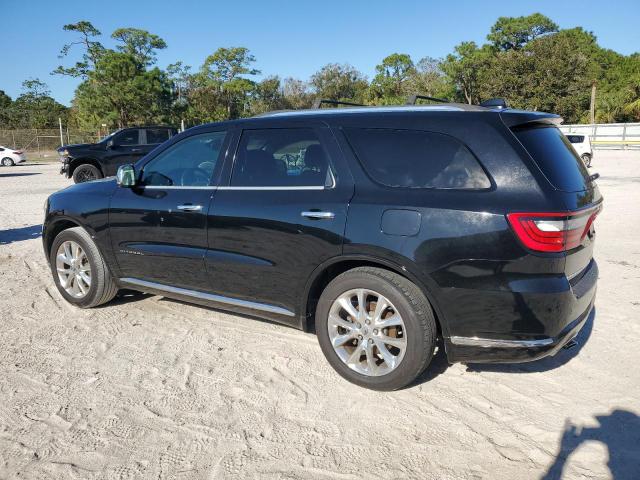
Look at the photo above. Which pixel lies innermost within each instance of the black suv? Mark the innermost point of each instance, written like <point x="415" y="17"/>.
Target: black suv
<point x="380" y="229"/>
<point x="89" y="161"/>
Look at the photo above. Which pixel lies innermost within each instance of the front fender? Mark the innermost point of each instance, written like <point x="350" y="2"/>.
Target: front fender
<point x="85" y="205"/>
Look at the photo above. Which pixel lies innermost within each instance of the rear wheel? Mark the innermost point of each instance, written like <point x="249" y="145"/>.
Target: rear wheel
<point x="376" y="328"/>
<point x="586" y="158"/>
<point x="8" y="162"/>
<point x="79" y="271"/>
<point x="85" y="173"/>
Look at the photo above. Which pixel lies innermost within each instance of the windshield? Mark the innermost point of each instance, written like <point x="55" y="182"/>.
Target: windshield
<point x="555" y="156"/>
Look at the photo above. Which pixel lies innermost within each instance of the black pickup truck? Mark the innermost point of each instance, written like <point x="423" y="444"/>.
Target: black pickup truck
<point x="88" y="161"/>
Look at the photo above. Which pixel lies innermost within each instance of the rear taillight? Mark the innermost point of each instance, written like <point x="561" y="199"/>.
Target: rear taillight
<point x="18" y="152"/>
<point x="553" y="232"/>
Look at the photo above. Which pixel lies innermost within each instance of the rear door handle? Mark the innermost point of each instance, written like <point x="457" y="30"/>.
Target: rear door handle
<point x="319" y="215"/>
<point x="189" y="208"/>
<point x="136" y="149"/>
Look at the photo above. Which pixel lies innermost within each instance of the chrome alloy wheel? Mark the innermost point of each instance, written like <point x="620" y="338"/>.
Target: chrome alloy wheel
<point x="367" y="332"/>
<point x="74" y="270"/>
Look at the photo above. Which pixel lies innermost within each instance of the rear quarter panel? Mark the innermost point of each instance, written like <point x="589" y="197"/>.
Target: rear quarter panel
<point x="464" y="256"/>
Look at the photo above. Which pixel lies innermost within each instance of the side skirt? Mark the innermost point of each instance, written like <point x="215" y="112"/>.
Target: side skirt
<point x="272" y="312"/>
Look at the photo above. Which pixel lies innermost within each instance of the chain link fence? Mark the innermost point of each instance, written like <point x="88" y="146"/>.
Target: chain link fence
<point x="44" y="142"/>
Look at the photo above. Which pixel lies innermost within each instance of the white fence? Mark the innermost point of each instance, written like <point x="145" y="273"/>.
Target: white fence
<point x="613" y="136"/>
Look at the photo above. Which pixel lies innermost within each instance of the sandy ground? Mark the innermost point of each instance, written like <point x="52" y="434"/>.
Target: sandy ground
<point x="147" y="387"/>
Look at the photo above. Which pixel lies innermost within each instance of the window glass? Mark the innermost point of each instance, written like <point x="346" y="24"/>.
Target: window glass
<point x="416" y="159"/>
<point x="128" y="137"/>
<point x="576" y="138"/>
<point x="157" y="135"/>
<point x="555" y="156"/>
<point x="188" y="163"/>
<point x="281" y="157"/>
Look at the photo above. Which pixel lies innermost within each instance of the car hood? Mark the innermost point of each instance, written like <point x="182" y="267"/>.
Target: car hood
<point x="76" y="146"/>
<point x="102" y="185"/>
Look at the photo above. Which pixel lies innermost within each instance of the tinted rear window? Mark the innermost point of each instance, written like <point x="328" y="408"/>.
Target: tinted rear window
<point x="416" y="159"/>
<point x="554" y="155"/>
<point x="576" y="138"/>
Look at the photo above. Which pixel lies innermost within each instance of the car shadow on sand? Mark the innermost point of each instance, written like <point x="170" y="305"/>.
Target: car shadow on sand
<point x="544" y="364"/>
<point x="25" y="174"/>
<point x="439" y="363"/>
<point x="11" y="235"/>
<point x="619" y="431"/>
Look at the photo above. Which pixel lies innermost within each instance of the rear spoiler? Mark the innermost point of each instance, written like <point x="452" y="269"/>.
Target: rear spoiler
<point x="517" y="118"/>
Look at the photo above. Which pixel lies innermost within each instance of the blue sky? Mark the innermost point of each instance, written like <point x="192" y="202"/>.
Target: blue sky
<point x="287" y="37"/>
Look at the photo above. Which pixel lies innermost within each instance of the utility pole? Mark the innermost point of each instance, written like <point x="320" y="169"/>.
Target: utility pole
<point x="592" y="107"/>
<point x="61" y="135"/>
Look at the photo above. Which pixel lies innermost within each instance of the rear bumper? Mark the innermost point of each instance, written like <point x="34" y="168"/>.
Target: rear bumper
<point x="521" y="348"/>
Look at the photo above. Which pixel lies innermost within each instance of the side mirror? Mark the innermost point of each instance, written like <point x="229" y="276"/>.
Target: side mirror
<point x="109" y="144"/>
<point x="126" y="176"/>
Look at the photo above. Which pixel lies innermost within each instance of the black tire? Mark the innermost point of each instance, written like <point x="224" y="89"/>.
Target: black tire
<point x="586" y="158"/>
<point x="8" y="162"/>
<point x="103" y="288"/>
<point x="416" y="312"/>
<point x="85" y="173"/>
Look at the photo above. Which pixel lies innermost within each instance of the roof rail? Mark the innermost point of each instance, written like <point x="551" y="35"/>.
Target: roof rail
<point x="494" y="102"/>
<point x="412" y="99"/>
<point x="321" y="101"/>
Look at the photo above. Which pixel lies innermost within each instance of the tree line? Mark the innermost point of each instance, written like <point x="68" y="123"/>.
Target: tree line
<point x="528" y="60"/>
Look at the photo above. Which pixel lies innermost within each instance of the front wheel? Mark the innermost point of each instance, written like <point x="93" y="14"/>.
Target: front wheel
<point x="79" y="271"/>
<point x="85" y="173"/>
<point x="586" y="158"/>
<point x="376" y="328"/>
<point x="8" y="162"/>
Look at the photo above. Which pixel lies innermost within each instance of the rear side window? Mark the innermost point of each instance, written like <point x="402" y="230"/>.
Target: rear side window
<point x="576" y="138"/>
<point x="157" y="135"/>
<point x="555" y="156"/>
<point x="281" y="158"/>
<point x="416" y="159"/>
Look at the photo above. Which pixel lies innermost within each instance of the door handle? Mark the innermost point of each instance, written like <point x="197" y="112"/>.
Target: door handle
<point x="319" y="215"/>
<point x="136" y="149"/>
<point x="189" y="208"/>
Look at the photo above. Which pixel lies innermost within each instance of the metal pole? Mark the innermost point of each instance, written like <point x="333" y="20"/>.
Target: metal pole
<point x="592" y="108"/>
<point x="38" y="142"/>
<point x="182" y="125"/>
<point x="13" y="136"/>
<point x="61" y="136"/>
<point x="624" y="136"/>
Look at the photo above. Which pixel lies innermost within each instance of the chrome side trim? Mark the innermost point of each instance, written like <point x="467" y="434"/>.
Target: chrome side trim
<point x="209" y="297"/>
<point x="319" y="187"/>
<point x="494" y="343"/>
<point x="157" y="187"/>
<point x="175" y="187"/>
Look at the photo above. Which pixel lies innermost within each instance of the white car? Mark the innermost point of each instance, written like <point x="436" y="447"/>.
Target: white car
<point x="9" y="157"/>
<point x="582" y="146"/>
